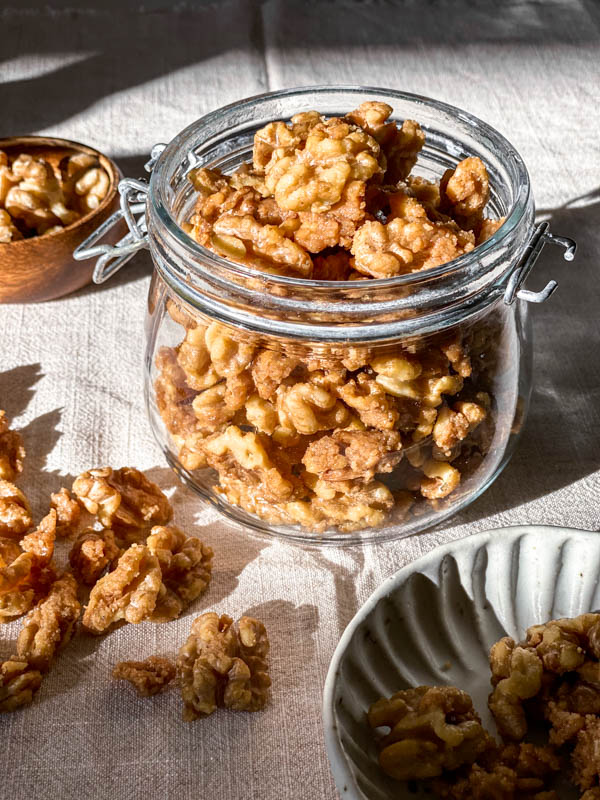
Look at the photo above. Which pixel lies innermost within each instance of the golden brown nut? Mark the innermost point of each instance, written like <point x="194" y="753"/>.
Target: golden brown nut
<point x="38" y="198"/>
<point x="7" y="178"/>
<point x="12" y="452"/>
<point x="350" y="454"/>
<point x="186" y="565"/>
<point x="92" y="552"/>
<point x="68" y="512"/>
<point x="17" y="595"/>
<point x="15" y="514"/>
<point x="453" y="425"/>
<point x="18" y="684"/>
<point x="431" y="730"/>
<point x="8" y="230"/>
<point x="269" y="369"/>
<point x="148" y="677"/>
<point x="40" y="542"/>
<point x="124" y="500"/>
<point x="130" y="592"/>
<point x="516" y="676"/>
<point x="465" y="191"/>
<point x="342" y="505"/>
<point x="308" y="408"/>
<point x="50" y="626"/>
<point x="219" y="666"/>
<point x="85" y="182"/>
<point x="370" y="400"/>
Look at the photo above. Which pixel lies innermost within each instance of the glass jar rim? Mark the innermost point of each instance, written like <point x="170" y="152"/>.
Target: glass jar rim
<point x="181" y="141"/>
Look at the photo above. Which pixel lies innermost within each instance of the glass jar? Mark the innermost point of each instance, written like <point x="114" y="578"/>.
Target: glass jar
<point x="337" y="411"/>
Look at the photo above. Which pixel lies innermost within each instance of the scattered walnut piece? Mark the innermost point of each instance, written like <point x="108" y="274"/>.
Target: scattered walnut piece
<point x="221" y="666"/>
<point x="148" y="677"/>
<point x="92" y="552"/>
<point x="68" y="512"/>
<point x="50" y="626"/>
<point x="124" y="500"/>
<point x="431" y="730"/>
<point x="15" y="513"/>
<point x="186" y="565"/>
<point x="130" y="592"/>
<point x="18" y="683"/>
<point x="12" y="451"/>
<point x="40" y="542"/>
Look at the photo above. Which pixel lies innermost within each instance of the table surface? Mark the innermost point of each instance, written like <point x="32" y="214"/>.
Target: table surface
<point x="122" y="78"/>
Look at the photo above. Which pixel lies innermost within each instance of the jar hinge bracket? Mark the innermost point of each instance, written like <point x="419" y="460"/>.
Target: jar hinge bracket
<point x="540" y="236"/>
<point x="132" y="209"/>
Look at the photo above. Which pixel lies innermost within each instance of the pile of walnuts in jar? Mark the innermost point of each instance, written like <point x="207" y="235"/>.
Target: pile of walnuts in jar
<point x="37" y="198"/>
<point x="343" y="437"/>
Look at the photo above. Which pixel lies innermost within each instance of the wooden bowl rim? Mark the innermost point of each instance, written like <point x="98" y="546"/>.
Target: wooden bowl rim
<point x="114" y="174"/>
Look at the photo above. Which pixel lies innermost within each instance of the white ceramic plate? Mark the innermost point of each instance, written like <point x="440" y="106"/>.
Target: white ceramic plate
<point x="434" y="622"/>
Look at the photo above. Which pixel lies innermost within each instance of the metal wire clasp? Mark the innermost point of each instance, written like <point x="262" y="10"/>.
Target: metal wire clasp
<point x="133" y="210"/>
<point x="541" y="235"/>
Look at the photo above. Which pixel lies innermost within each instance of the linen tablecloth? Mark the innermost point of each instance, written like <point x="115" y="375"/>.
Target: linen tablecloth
<point x="122" y="77"/>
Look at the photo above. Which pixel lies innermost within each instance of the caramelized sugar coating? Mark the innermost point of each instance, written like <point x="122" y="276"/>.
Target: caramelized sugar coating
<point x="18" y="683"/>
<point x="51" y="624"/>
<point x="12" y="451"/>
<point x="431" y="730"/>
<point x="148" y="677"/>
<point x="92" y="553"/>
<point x="221" y="666"/>
<point x="124" y="500"/>
<point x="15" y="513"/>
<point x="515" y="772"/>
<point x="186" y="565"/>
<point x="68" y="512"/>
<point x="130" y="592"/>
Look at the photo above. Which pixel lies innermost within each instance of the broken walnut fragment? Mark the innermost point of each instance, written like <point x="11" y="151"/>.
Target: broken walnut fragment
<point x="148" y="677"/>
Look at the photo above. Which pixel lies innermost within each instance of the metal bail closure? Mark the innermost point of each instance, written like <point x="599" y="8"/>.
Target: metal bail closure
<point x="541" y="235"/>
<point x="133" y="211"/>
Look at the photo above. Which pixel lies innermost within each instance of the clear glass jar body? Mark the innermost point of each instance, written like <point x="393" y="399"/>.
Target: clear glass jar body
<point x="337" y="412"/>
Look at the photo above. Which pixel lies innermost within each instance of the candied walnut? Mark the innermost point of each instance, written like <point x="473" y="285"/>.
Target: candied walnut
<point x="243" y="238"/>
<point x="211" y="410"/>
<point x="8" y="230"/>
<point x="92" y="552"/>
<point x="194" y="359"/>
<point x="585" y="758"/>
<point x="15" y="514"/>
<point x="465" y="191"/>
<point x="16" y="595"/>
<point x="186" y="565"/>
<point x="373" y="406"/>
<point x="332" y="267"/>
<point x="123" y="499"/>
<point x="229" y="356"/>
<point x="352" y="508"/>
<point x="428" y="391"/>
<point x="50" y="626"/>
<point x="173" y="395"/>
<point x="350" y="454"/>
<point x="488" y="228"/>
<point x="561" y="643"/>
<point x="515" y="772"/>
<point x="219" y="666"/>
<point x="12" y="452"/>
<point x="307" y="409"/>
<point x="68" y="512"/>
<point x="129" y="592"/>
<point x="452" y="426"/>
<point x="18" y="684"/>
<point x="440" y="480"/>
<point x="314" y="178"/>
<point x="269" y="369"/>
<point x="148" y="677"/>
<point x="243" y="456"/>
<point x="408" y="243"/>
<point x="38" y="199"/>
<point x="432" y="729"/>
<point x="40" y="542"/>
<point x="85" y="182"/>
<point x="261" y="414"/>
<point x="516" y="676"/>
<point x="284" y="139"/>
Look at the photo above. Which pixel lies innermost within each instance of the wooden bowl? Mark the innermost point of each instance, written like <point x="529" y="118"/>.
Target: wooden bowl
<point x="43" y="267"/>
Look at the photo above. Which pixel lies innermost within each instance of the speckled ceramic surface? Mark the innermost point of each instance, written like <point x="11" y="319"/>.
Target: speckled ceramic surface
<point x="434" y="622"/>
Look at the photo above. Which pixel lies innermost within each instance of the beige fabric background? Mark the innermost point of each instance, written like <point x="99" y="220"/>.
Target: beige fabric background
<point x="71" y="370"/>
